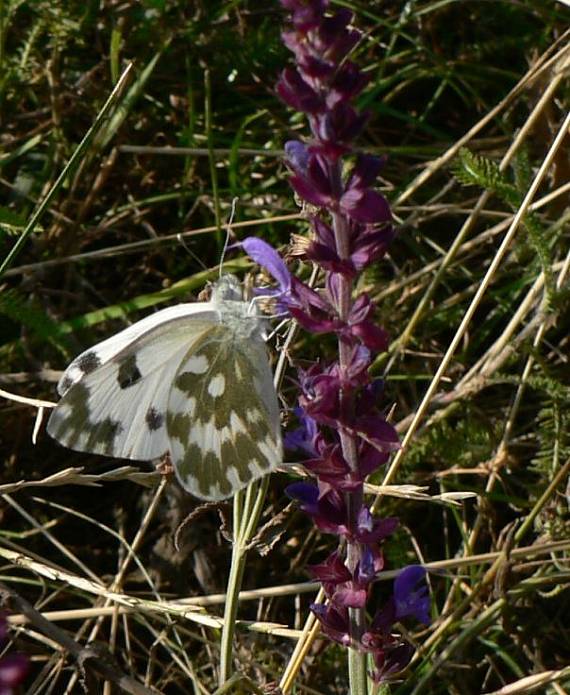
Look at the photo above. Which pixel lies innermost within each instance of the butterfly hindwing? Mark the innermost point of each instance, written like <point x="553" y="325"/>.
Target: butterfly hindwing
<point x="115" y="395"/>
<point x="223" y="415"/>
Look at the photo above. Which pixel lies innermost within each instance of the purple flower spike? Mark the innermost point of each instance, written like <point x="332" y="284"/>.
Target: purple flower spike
<point x="343" y="430"/>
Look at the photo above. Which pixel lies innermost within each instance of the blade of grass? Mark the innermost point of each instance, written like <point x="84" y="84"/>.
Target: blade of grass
<point x="69" y="168"/>
<point x="486" y="281"/>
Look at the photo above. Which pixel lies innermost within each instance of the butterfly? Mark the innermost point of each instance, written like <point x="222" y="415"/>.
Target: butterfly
<point x="193" y="381"/>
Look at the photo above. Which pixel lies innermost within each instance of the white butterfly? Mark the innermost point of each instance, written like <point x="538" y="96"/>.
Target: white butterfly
<point x="193" y="381"/>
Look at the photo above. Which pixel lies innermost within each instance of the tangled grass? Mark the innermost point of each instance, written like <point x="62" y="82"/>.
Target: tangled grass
<point x="469" y="101"/>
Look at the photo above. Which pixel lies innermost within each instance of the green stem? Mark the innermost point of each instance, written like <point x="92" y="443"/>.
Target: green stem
<point x="357" y="676"/>
<point x="248" y="504"/>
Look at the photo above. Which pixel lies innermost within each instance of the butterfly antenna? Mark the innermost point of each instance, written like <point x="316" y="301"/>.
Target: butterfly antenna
<point x="228" y="232"/>
<point x="182" y="241"/>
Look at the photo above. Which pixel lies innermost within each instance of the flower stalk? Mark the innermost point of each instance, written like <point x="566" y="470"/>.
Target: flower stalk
<point x="342" y="432"/>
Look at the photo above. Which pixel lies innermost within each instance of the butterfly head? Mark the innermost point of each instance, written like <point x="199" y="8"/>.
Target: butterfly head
<point x="227" y="288"/>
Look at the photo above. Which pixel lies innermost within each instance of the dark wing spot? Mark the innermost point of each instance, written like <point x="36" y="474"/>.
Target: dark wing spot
<point x="128" y="373"/>
<point x="88" y="362"/>
<point x="154" y="419"/>
<point x="188" y="382"/>
<point x="102" y="437"/>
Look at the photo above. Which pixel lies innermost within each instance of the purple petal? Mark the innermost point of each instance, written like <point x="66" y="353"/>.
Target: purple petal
<point x="350" y="596"/>
<point x="297" y="93"/>
<point x="371" y="459"/>
<point x="334" y="622"/>
<point x="331" y="516"/>
<point x="332" y="26"/>
<point x="305" y="15"/>
<point x="378" y="432"/>
<point x="302" y="438"/>
<point x="410" y="598"/>
<point x="334" y="38"/>
<point x="360" y="360"/>
<point x="267" y="257"/>
<point x="311" y="324"/>
<point x="339" y="123"/>
<point x="385" y="618"/>
<point x="391" y="660"/>
<point x="372" y="336"/>
<point x="335" y="284"/>
<point x="13" y="670"/>
<point x="371" y="395"/>
<point x="370" y="245"/>
<point x="309" y="192"/>
<point x="307" y="495"/>
<point x="327" y="258"/>
<point x="348" y="82"/>
<point x="323" y="231"/>
<point x="365" y="520"/>
<point x="332" y="569"/>
<point x="330" y="467"/>
<point x="361" y="308"/>
<point x="365" y="206"/>
<point x="381" y="529"/>
<point x="365" y="171"/>
<point x="307" y="298"/>
<point x="297" y="155"/>
<point x="366" y="567"/>
<point x="318" y="175"/>
<point x="315" y="68"/>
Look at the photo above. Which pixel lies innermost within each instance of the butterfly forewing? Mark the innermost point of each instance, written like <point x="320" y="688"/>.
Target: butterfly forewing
<point x="115" y="395"/>
<point x="128" y="339"/>
<point x="223" y="416"/>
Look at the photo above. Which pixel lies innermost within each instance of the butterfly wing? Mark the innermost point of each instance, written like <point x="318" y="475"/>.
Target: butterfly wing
<point x="223" y="414"/>
<point x="106" y="350"/>
<point x="115" y="395"/>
